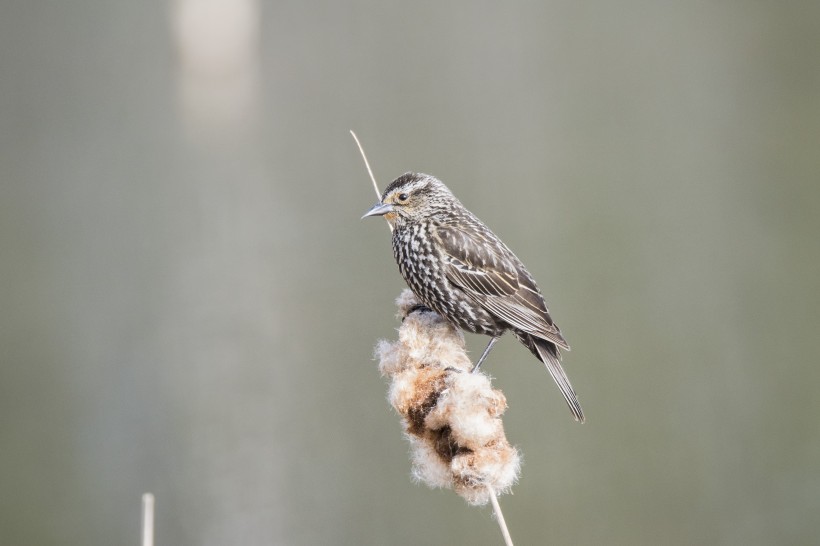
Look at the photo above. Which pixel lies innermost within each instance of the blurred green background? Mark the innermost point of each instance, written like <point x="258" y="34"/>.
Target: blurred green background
<point x="189" y="300"/>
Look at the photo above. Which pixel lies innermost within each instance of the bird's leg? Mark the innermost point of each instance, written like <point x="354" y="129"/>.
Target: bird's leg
<point x="485" y="353"/>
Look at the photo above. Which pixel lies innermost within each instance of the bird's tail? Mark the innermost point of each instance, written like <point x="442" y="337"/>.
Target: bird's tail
<point x="549" y="354"/>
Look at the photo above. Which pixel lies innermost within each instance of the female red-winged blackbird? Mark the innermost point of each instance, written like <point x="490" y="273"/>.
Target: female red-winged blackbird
<point x="459" y="268"/>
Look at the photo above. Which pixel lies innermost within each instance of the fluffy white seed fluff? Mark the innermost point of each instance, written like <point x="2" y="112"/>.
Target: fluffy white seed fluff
<point x="451" y="417"/>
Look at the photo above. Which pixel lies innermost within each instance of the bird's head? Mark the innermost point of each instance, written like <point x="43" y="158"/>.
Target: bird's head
<point x="413" y="197"/>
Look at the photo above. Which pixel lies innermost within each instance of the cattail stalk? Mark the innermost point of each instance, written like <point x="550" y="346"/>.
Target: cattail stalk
<point x="499" y="516"/>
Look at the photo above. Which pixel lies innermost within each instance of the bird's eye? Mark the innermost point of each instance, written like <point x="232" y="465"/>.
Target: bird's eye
<point x="403" y="197"/>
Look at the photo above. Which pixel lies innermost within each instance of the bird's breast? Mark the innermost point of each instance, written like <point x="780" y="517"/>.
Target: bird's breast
<point x="422" y="265"/>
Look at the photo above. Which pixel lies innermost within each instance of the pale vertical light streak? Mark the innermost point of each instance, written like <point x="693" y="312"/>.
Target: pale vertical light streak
<point x="147" y="519"/>
<point x="218" y="55"/>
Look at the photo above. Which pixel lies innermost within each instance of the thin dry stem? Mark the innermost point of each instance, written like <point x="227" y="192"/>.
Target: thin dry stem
<point x="367" y="164"/>
<point x="499" y="517"/>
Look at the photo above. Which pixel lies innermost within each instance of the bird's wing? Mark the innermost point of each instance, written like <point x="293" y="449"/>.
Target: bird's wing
<point x="475" y="266"/>
<point x="488" y="272"/>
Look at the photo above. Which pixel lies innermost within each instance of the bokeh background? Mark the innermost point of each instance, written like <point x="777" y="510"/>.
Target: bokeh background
<point x="189" y="300"/>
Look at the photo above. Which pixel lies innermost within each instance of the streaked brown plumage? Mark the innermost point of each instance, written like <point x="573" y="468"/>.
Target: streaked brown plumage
<point x="462" y="270"/>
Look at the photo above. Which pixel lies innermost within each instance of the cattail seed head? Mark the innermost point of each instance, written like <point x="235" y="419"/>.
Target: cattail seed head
<point x="451" y="417"/>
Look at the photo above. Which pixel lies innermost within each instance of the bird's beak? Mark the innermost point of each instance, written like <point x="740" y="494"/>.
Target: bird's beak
<point x="379" y="209"/>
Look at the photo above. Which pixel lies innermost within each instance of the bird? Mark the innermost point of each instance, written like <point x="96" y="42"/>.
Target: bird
<point x="459" y="268"/>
